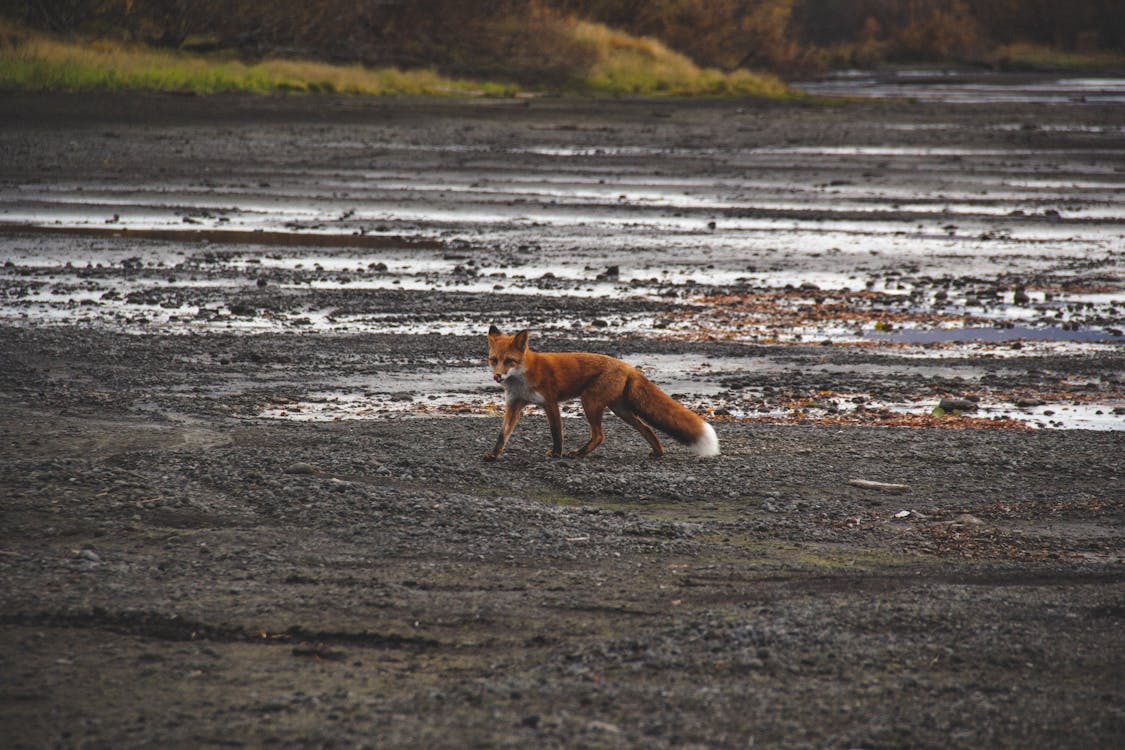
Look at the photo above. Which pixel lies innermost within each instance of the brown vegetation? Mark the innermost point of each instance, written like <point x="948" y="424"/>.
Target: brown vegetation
<point x="531" y="40"/>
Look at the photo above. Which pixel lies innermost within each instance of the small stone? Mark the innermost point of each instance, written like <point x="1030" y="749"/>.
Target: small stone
<point x="301" y="468"/>
<point x="957" y="404"/>
<point x="89" y="554"/>
<point x="242" y="309"/>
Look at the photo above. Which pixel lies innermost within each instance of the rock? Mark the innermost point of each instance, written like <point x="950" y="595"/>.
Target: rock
<point x="301" y="468"/>
<point x="957" y="404"/>
<point x="89" y="554"/>
<point x="242" y="309"/>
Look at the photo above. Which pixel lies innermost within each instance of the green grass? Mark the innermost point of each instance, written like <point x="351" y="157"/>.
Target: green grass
<point x="35" y="62"/>
<point x="616" y="63"/>
<point x="1035" y="57"/>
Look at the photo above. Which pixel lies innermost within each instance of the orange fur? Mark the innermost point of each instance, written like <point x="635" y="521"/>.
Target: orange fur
<point x="601" y="382"/>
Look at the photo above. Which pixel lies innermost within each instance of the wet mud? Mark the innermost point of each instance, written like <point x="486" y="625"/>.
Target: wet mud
<point x="243" y="406"/>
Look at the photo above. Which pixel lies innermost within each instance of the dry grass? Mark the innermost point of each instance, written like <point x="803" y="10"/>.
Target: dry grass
<point x="624" y="64"/>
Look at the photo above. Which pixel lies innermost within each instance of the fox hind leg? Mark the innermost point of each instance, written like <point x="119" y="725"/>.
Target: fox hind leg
<point x="554" y="419"/>
<point x="594" y="412"/>
<point x="637" y="424"/>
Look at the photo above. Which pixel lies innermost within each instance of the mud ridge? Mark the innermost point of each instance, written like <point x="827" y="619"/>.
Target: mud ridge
<point x="175" y="628"/>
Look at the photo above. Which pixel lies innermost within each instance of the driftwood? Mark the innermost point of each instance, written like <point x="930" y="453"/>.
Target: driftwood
<point x="868" y="484"/>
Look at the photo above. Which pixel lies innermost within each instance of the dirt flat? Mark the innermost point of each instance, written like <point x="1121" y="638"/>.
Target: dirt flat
<point x="241" y="428"/>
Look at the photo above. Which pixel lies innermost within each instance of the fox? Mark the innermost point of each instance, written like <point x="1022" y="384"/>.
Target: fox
<point x="548" y="379"/>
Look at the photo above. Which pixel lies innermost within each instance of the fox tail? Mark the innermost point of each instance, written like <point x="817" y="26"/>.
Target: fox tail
<point x="670" y="416"/>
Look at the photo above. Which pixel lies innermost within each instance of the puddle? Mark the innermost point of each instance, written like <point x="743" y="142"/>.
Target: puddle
<point x="1095" y="416"/>
<point x="782" y="297"/>
<point x="703" y="385"/>
<point x="992" y="335"/>
<point x="340" y="405"/>
<point x="963" y="87"/>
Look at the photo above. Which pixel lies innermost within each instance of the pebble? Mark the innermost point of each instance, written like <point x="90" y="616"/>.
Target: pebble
<point x="957" y="404"/>
<point x="301" y="468"/>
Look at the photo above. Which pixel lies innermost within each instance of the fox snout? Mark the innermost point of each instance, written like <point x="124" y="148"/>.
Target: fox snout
<point x="498" y="378"/>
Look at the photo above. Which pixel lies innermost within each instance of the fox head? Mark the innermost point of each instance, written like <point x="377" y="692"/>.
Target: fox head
<point x="506" y="353"/>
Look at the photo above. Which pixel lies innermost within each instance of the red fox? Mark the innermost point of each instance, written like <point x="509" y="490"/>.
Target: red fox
<point x="547" y="379"/>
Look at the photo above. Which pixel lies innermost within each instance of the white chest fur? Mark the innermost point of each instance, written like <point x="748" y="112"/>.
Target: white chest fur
<point x="517" y="389"/>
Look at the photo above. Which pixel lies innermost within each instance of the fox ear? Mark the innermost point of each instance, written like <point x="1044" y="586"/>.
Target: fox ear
<point x="520" y="341"/>
<point x="493" y="330"/>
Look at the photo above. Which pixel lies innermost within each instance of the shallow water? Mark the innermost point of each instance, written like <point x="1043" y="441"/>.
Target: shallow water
<point x="469" y="391"/>
<point x="925" y="238"/>
<point x="971" y="87"/>
<point x="1014" y="333"/>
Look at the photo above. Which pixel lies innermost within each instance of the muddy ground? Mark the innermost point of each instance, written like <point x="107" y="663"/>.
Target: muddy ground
<point x="242" y="494"/>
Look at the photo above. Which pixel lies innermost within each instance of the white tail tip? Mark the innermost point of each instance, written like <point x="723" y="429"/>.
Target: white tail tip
<point x="707" y="444"/>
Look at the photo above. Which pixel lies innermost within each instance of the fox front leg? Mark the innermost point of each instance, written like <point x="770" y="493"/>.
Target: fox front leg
<point x="554" y="418"/>
<point x="512" y="415"/>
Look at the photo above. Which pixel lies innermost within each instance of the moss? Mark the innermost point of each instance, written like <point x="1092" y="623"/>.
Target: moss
<point x="754" y="550"/>
<point x="1037" y="57"/>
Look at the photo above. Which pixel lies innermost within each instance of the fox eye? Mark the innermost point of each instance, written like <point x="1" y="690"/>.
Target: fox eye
<point x="492" y="360"/>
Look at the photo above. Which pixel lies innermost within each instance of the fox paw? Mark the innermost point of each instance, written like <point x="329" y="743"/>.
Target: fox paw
<point x="491" y="456"/>
<point x="552" y="453"/>
<point x="576" y="454"/>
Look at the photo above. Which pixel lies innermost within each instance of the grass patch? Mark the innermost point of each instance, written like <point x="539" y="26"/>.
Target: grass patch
<point x="624" y="64"/>
<point x="610" y="62"/>
<point x="36" y="62"/>
<point x="1037" y="57"/>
